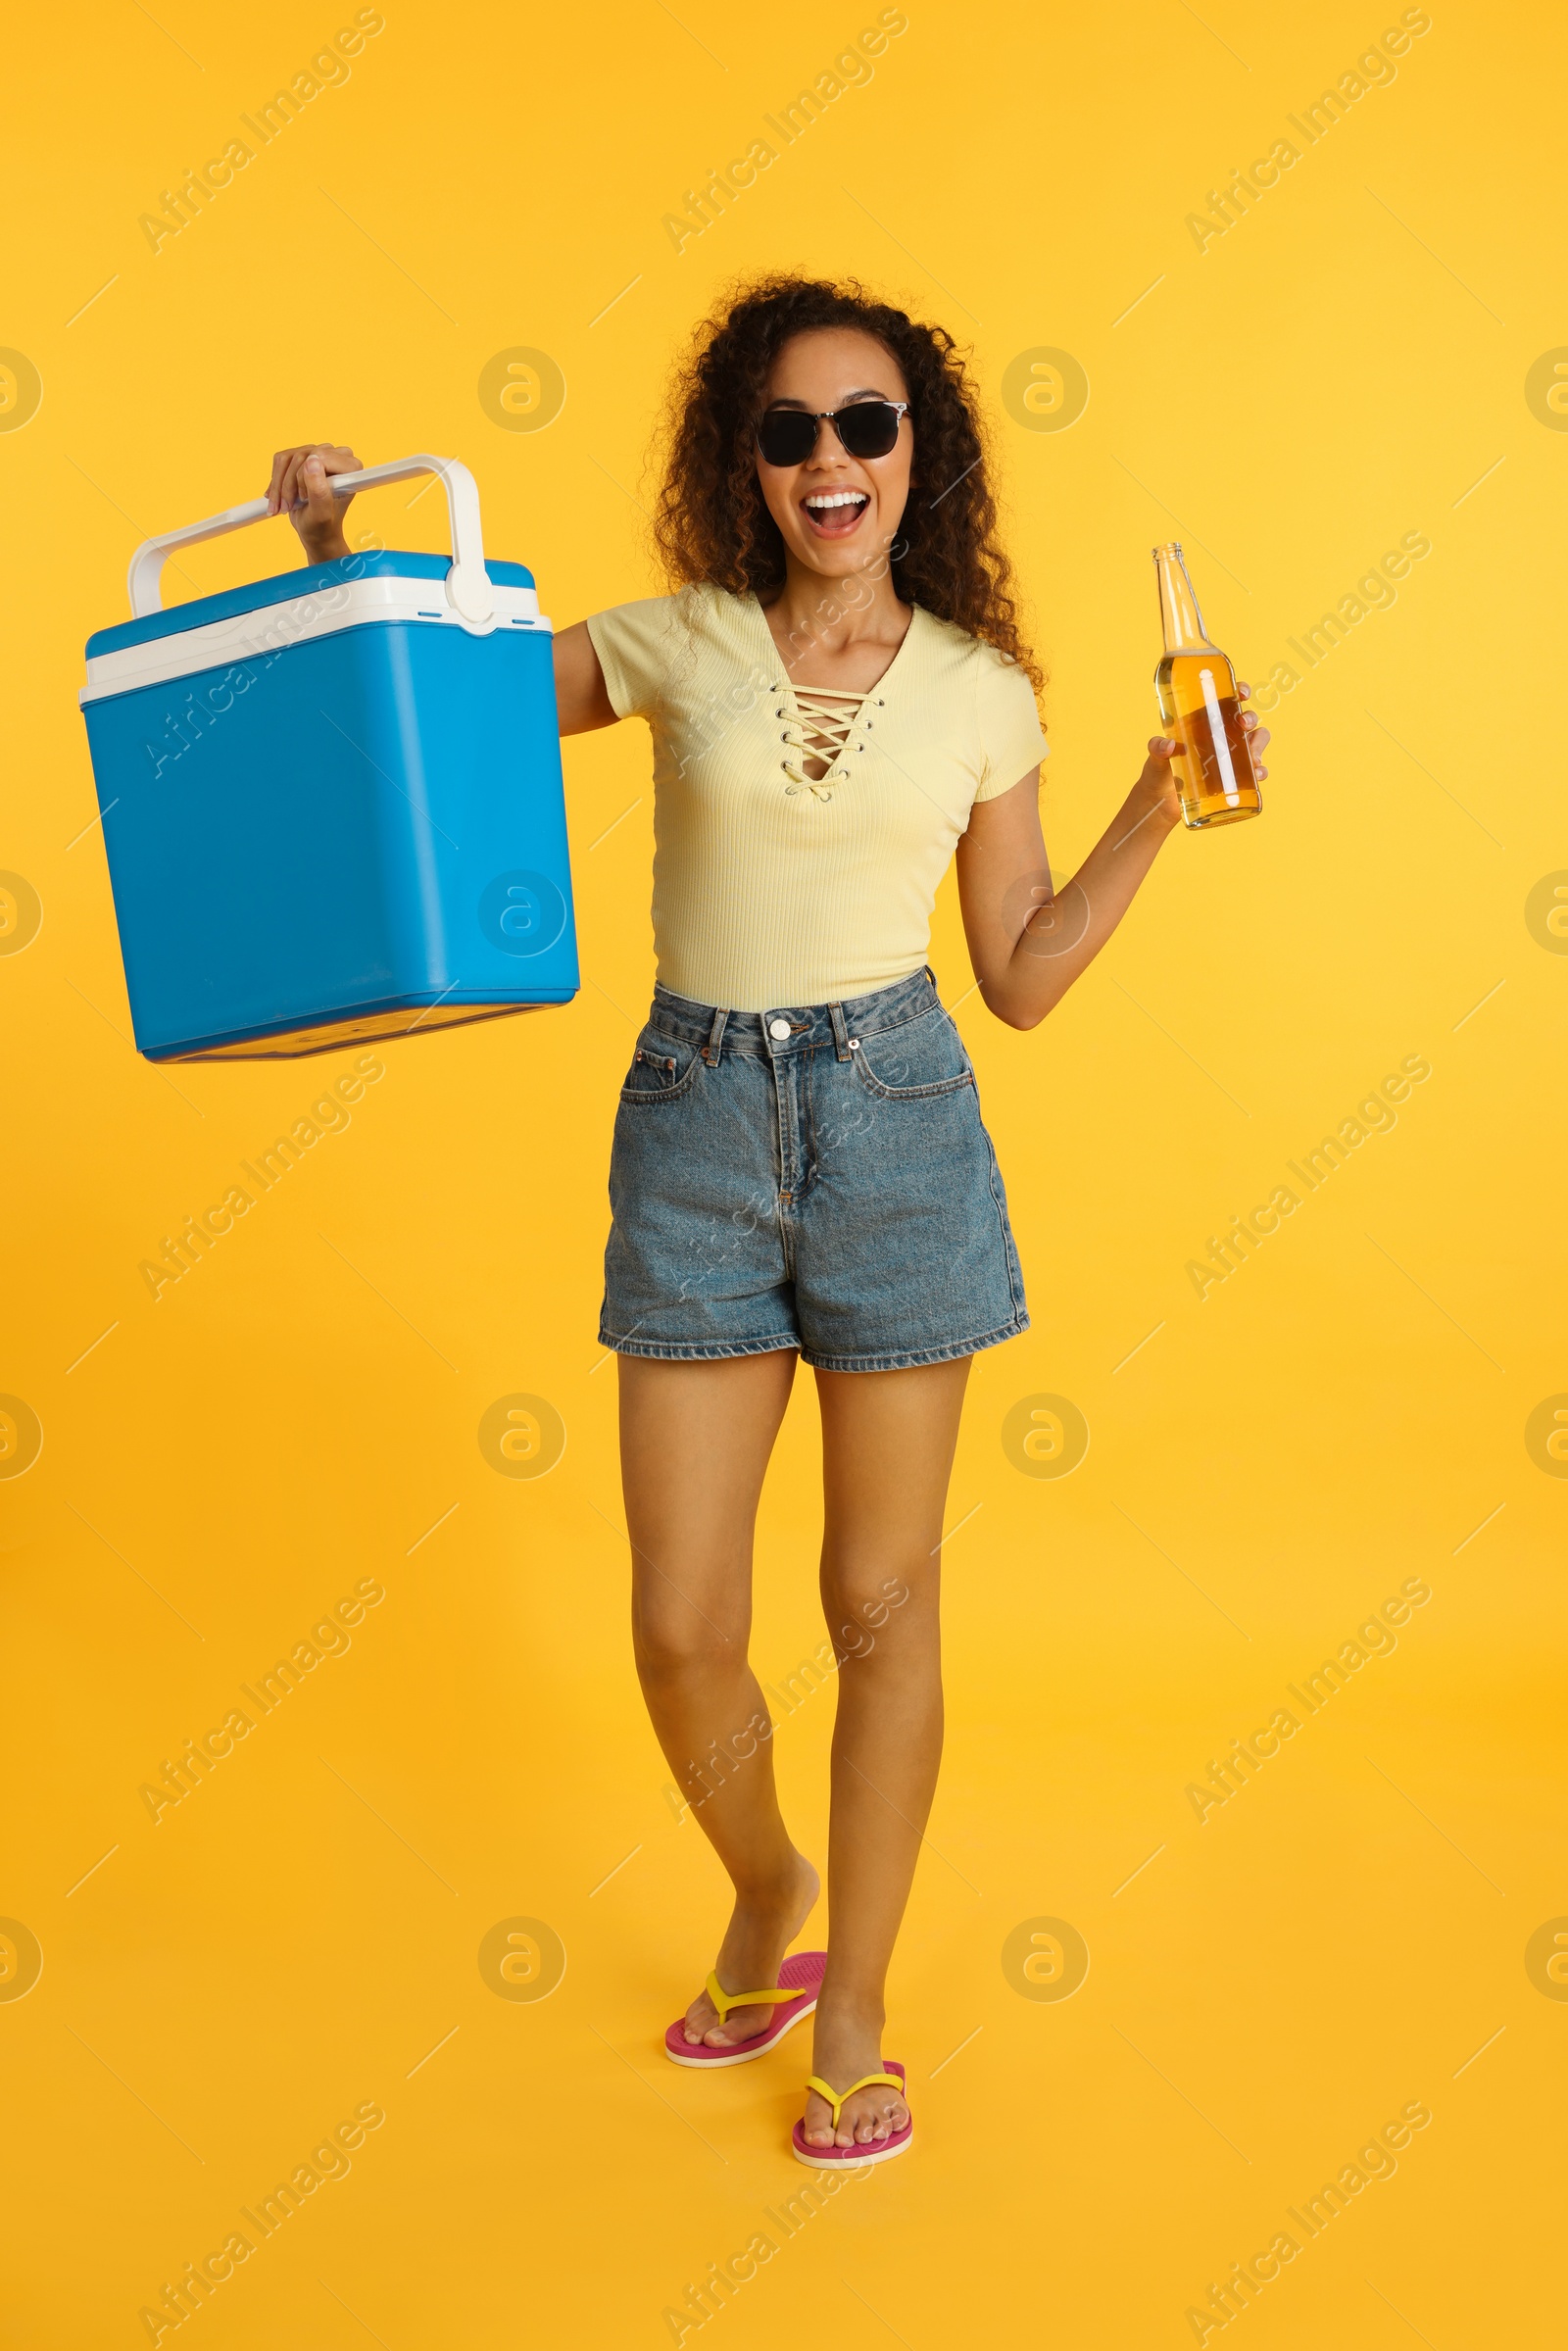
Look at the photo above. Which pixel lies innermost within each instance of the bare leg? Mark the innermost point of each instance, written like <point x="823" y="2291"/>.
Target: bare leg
<point x="694" y="1439"/>
<point x="888" y="1440"/>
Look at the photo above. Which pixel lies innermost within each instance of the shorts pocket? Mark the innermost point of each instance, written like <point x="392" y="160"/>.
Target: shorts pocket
<point x="662" y="1068"/>
<point x="915" y="1061"/>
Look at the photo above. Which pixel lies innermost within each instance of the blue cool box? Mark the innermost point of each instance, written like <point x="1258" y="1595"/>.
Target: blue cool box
<point x="332" y="810"/>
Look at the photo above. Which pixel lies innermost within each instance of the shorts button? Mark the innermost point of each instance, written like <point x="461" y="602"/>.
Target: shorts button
<point x="779" y="1029"/>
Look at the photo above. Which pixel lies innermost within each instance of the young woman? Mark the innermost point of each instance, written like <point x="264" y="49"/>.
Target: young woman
<point x="840" y="700"/>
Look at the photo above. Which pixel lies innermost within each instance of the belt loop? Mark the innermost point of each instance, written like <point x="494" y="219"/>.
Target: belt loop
<point x="931" y="975"/>
<point x="715" y="1039"/>
<point x="841" y="1033"/>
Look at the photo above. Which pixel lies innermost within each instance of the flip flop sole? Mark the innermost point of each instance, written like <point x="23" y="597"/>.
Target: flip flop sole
<point x="849" y="2159"/>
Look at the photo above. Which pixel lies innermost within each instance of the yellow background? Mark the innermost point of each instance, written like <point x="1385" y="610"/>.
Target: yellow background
<point x="1340" y="1415"/>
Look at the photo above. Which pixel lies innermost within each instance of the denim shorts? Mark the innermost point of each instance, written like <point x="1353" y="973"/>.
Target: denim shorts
<point x="814" y="1177"/>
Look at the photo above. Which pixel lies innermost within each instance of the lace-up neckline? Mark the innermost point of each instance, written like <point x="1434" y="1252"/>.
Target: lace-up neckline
<point x="827" y="717"/>
<point x="822" y="725"/>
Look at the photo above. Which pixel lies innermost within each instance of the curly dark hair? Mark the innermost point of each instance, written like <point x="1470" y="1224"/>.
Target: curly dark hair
<point x="711" y="522"/>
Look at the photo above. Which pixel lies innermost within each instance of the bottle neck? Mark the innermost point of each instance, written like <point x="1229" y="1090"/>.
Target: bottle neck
<point x="1179" y="617"/>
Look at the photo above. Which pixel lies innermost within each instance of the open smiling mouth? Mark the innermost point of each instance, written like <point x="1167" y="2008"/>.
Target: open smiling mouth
<point x="834" y="513"/>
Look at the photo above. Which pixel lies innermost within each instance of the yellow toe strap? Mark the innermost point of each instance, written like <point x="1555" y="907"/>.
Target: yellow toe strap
<point x="838" y="2099"/>
<point x="723" y="2001"/>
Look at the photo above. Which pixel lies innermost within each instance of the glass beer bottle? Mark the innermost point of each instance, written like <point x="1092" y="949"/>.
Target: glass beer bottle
<point x="1197" y="689"/>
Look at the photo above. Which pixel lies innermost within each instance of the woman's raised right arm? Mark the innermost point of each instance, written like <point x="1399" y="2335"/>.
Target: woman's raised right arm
<point x="582" y="702"/>
<point x="301" y="487"/>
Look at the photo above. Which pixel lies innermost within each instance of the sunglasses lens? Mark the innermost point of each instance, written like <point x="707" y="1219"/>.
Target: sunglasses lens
<point x="786" y="436"/>
<point x="868" y="428"/>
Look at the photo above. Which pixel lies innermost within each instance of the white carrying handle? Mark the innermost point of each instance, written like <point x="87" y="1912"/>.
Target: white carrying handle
<point x="467" y="583"/>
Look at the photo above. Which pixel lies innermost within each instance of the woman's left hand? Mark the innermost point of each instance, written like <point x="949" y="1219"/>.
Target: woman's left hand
<point x="1257" y="734"/>
<point x="1158" y="786"/>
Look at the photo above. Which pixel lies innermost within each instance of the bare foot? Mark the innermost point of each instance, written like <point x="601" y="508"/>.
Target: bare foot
<point x="848" y="2043"/>
<point x="760" y="1932"/>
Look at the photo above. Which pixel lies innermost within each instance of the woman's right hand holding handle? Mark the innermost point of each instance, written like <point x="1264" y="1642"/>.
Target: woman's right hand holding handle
<point x="301" y="488"/>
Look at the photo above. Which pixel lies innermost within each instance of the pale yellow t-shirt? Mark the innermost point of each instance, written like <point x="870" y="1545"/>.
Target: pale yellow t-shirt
<point x="770" y="890"/>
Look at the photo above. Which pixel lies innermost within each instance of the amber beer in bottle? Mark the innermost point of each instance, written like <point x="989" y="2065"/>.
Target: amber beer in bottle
<point x="1198" y="702"/>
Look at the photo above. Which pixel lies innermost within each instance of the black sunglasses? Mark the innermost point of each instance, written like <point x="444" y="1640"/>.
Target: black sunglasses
<point x="787" y="436"/>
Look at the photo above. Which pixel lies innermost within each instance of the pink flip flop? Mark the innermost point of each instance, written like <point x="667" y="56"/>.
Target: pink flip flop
<point x="800" y="1980"/>
<point x="881" y="2150"/>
